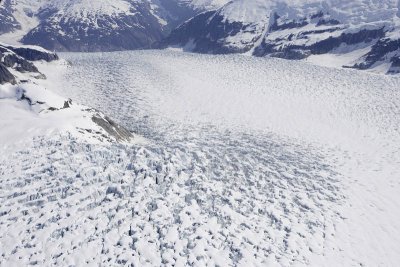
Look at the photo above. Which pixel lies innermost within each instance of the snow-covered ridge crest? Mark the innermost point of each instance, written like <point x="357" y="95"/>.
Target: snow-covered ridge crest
<point x="85" y="8"/>
<point x="246" y="11"/>
<point x="352" y="12"/>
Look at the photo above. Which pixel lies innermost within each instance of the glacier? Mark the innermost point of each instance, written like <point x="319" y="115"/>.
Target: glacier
<point x="244" y="162"/>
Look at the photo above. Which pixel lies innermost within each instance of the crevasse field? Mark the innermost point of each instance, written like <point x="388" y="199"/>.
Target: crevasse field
<point x="247" y="162"/>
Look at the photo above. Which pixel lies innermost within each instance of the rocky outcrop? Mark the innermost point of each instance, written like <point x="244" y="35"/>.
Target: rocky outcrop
<point x="379" y="52"/>
<point x="32" y="54"/>
<point x="12" y="60"/>
<point x="5" y="75"/>
<point x="112" y="128"/>
<point x="21" y="60"/>
<point x="294" y="51"/>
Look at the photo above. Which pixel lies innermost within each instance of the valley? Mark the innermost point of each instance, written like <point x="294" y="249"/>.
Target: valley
<point x="241" y="161"/>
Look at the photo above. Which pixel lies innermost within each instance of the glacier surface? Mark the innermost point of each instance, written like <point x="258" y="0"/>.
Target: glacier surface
<point x="248" y="162"/>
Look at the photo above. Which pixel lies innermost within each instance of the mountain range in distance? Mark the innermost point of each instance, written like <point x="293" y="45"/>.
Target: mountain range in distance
<point x="360" y="34"/>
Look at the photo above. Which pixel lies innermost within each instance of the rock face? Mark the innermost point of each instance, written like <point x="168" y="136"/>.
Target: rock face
<point x="112" y="128"/>
<point x="5" y="75"/>
<point x="292" y="30"/>
<point x="208" y="33"/>
<point x="33" y="54"/>
<point x="382" y="50"/>
<point x="11" y="60"/>
<point x="20" y="58"/>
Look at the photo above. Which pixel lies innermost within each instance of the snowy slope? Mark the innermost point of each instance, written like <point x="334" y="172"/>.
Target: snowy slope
<point x="23" y="12"/>
<point x="297" y="29"/>
<point x="249" y="162"/>
<point x="29" y="109"/>
<point x="205" y="4"/>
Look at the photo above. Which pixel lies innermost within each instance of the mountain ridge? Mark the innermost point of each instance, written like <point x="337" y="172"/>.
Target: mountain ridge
<point x="82" y="25"/>
<point x="296" y="30"/>
<point x="363" y="34"/>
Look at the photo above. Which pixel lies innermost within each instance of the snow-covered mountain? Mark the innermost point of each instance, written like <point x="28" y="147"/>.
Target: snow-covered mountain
<point x="363" y="34"/>
<point x="366" y="34"/>
<point x="83" y="25"/>
<point x="8" y="21"/>
<point x="95" y="26"/>
<point x="86" y="25"/>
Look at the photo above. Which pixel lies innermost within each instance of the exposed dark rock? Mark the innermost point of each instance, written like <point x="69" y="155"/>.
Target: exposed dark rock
<point x="40" y="76"/>
<point x="5" y="75"/>
<point x="275" y="26"/>
<point x="328" y="22"/>
<point x="115" y="190"/>
<point x="207" y="32"/>
<point x="304" y="34"/>
<point x="396" y="61"/>
<point x="379" y="52"/>
<point x="363" y="36"/>
<point x="294" y="54"/>
<point x="395" y="66"/>
<point x="12" y="60"/>
<point x="33" y="54"/>
<point x="321" y="47"/>
<point x="320" y="14"/>
<point x="19" y="59"/>
<point x="67" y="104"/>
<point x="23" y="97"/>
<point x="112" y="128"/>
